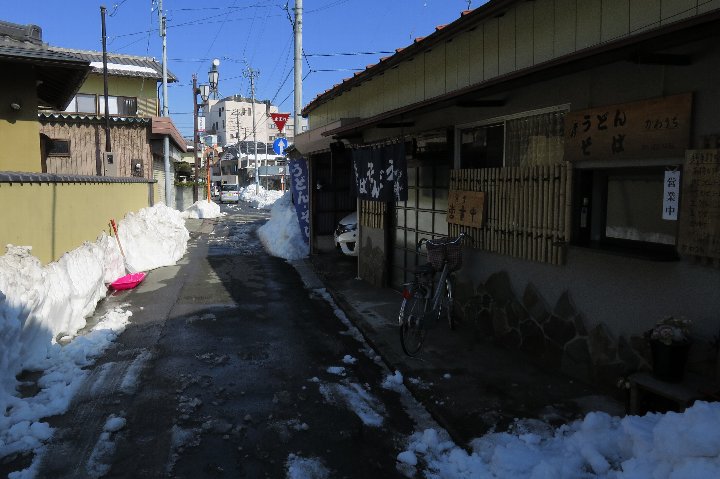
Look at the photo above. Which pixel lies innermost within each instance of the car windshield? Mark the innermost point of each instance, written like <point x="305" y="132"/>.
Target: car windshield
<point x="230" y="187"/>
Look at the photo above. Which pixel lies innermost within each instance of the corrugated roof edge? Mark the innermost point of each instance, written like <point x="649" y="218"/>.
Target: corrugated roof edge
<point x="93" y="118"/>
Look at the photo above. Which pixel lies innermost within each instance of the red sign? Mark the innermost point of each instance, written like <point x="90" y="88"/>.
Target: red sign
<point x="280" y="119"/>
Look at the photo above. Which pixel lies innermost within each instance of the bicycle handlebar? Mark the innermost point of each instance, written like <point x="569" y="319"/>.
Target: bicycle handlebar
<point x="455" y="241"/>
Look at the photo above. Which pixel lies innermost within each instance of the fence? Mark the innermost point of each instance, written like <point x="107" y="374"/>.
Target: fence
<point x="528" y="210"/>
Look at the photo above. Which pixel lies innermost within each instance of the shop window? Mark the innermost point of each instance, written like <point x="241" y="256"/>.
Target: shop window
<point x="482" y="146"/>
<point x="620" y="209"/>
<point x="525" y="139"/>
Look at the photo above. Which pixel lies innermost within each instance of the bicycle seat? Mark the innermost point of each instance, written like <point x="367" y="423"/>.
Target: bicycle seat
<point x="424" y="269"/>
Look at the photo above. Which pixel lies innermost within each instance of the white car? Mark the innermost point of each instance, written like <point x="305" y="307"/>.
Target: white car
<point x="346" y="235"/>
<point x="230" y="193"/>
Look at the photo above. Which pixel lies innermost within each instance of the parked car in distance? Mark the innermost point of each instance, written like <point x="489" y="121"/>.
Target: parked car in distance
<point x="230" y="193"/>
<point x="346" y="235"/>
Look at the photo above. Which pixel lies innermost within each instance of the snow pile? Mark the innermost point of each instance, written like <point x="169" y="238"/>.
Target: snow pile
<point x="259" y="197"/>
<point x="40" y="305"/>
<point x="153" y="237"/>
<point x="302" y="468"/>
<point x="668" y="445"/>
<point x="203" y="209"/>
<point x="63" y="373"/>
<point x="281" y="235"/>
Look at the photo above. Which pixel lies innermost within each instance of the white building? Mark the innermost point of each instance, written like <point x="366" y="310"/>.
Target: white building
<point x="231" y="120"/>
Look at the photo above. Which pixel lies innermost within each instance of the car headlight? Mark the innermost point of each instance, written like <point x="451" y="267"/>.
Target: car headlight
<point x="345" y="229"/>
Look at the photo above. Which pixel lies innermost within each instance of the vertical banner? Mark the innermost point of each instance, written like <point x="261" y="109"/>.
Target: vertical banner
<point x="300" y="194"/>
<point x="671" y="193"/>
<point x="380" y="173"/>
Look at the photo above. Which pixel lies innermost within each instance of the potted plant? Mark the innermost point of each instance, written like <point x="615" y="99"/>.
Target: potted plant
<point x="669" y="345"/>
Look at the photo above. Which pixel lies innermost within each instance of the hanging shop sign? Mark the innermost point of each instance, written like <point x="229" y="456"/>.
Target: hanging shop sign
<point x="380" y="173"/>
<point x="466" y="208"/>
<point x="657" y="128"/>
<point x="699" y="228"/>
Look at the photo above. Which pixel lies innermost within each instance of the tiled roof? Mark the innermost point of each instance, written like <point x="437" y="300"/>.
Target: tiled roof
<point x="131" y="65"/>
<point x="58" y="74"/>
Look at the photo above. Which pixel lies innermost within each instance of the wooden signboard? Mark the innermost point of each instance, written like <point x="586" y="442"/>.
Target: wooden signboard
<point x="658" y="128"/>
<point x="466" y="208"/>
<point x="699" y="233"/>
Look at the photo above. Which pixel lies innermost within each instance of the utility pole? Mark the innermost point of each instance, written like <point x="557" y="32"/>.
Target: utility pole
<point x="165" y="112"/>
<point x="251" y="74"/>
<point x="195" y="135"/>
<point x="298" y="66"/>
<point x="108" y="148"/>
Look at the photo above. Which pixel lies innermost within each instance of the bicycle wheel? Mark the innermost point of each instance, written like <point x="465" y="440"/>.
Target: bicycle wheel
<point x="412" y="330"/>
<point x="448" y="303"/>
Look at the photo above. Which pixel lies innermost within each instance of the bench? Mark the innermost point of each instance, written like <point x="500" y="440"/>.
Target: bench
<point x="643" y="386"/>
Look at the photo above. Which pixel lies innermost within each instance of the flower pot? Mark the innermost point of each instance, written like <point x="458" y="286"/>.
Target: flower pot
<point x="669" y="360"/>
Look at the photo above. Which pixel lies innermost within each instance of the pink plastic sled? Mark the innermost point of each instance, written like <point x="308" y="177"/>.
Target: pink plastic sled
<point x="128" y="281"/>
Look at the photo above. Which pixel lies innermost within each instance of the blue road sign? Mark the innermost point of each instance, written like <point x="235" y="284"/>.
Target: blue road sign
<point x="280" y="145"/>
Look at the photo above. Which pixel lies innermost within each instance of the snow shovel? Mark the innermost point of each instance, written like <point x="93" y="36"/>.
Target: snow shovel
<point x="128" y="267"/>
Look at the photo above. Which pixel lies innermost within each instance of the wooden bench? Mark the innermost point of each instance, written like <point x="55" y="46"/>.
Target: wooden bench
<point x="682" y="394"/>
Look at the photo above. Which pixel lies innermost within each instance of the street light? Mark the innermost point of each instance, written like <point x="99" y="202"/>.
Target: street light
<point x="204" y="92"/>
<point x="213" y="76"/>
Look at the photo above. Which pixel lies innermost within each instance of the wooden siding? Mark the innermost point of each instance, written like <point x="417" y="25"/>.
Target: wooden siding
<point x="87" y="142"/>
<point x="528" y="34"/>
<point x="527" y="210"/>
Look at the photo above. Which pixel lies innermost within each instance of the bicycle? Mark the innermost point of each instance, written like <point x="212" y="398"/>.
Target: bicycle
<point x="423" y="304"/>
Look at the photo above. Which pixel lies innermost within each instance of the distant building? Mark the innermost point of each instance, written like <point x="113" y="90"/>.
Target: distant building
<point x="231" y="120"/>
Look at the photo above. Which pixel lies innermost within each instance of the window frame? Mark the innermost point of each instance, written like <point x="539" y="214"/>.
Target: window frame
<point x="502" y="119"/>
<point x="50" y="141"/>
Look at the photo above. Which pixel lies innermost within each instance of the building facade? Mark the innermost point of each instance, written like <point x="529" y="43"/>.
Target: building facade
<point x="74" y="137"/>
<point x="563" y="137"/>
<point x="232" y="121"/>
<point x="50" y="212"/>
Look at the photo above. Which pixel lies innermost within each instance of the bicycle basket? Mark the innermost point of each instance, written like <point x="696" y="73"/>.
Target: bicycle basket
<point x="442" y="250"/>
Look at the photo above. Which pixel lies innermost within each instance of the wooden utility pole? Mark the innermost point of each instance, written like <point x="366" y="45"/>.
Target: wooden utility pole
<point x="108" y="146"/>
<point x="195" y="135"/>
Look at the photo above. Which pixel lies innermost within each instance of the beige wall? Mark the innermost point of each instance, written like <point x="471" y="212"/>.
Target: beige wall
<point x="55" y="218"/>
<point x="144" y="89"/>
<point x="19" y="131"/>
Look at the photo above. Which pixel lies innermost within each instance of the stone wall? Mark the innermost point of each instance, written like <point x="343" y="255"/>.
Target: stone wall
<point x="555" y="334"/>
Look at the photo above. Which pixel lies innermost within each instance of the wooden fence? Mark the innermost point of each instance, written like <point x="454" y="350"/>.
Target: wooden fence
<point x="528" y="210"/>
<point x="372" y="213"/>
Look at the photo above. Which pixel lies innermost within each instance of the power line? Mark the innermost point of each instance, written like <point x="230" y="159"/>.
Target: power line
<point x="345" y="54"/>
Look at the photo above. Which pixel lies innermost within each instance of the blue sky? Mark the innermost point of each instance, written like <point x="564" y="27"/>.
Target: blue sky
<point x="257" y="33"/>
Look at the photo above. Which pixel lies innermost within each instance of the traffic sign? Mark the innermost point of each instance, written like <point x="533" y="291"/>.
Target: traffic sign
<point x="280" y="145"/>
<point x="280" y="119"/>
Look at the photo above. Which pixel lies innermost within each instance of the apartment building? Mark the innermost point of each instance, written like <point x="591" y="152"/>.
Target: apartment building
<point x="232" y="121"/>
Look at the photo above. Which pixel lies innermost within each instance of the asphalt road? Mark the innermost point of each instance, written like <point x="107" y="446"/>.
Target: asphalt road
<point x="232" y="368"/>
